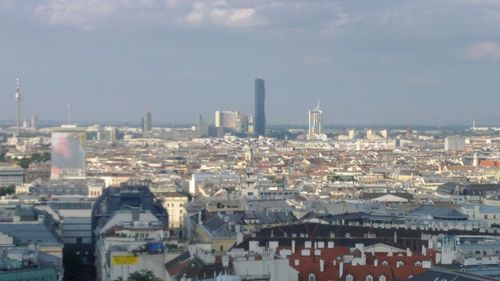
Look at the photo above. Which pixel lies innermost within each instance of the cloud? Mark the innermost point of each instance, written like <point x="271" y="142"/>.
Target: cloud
<point x="82" y="14"/>
<point x="221" y="13"/>
<point x="92" y="14"/>
<point x="323" y="15"/>
<point x="337" y="23"/>
<point x="484" y="51"/>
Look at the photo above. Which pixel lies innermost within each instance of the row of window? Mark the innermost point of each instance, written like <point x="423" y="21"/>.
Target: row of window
<point x="173" y="205"/>
<point x="349" y="277"/>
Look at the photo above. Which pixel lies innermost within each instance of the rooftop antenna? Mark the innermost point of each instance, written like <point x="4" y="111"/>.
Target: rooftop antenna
<point x="18" y="103"/>
<point x="68" y="114"/>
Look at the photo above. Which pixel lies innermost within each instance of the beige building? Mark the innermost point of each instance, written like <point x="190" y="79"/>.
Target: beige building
<point x="174" y="202"/>
<point x="114" y="179"/>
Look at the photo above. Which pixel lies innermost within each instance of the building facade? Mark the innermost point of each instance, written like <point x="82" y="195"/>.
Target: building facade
<point x="68" y="152"/>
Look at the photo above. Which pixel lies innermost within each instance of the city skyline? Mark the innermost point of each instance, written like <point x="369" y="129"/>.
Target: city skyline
<point x="385" y="64"/>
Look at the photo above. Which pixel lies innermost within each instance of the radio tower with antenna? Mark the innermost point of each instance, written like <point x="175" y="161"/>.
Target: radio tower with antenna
<point x="18" y="103"/>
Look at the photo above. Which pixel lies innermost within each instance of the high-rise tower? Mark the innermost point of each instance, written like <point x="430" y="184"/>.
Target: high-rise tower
<point x="18" y="102"/>
<point x="147" y="121"/>
<point x="315" y="121"/>
<point x="260" y="110"/>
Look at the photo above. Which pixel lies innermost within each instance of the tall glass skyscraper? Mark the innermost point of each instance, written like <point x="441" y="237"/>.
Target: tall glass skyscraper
<point x="260" y="111"/>
<point x="315" y="121"/>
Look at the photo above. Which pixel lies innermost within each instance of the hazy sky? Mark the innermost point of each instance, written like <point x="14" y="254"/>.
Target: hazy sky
<point x="369" y="62"/>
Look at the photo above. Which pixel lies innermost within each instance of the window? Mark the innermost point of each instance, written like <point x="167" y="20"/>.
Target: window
<point x="385" y="263"/>
<point x="382" y="278"/>
<point x="418" y="263"/>
<point x="349" y="278"/>
<point x="311" y="277"/>
<point x="369" y="278"/>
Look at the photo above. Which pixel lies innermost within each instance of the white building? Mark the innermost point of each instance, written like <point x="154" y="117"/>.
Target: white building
<point x="454" y="143"/>
<point x="218" y="180"/>
<point x="226" y="119"/>
<point x="130" y="241"/>
<point x="490" y="214"/>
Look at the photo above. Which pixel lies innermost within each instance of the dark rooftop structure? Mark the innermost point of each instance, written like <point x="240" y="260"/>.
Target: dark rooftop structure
<point x="442" y="276"/>
<point x="439" y="213"/>
<point x="346" y="235"/>
<point x="127" y="197"/>
<point x="471" y="189"/>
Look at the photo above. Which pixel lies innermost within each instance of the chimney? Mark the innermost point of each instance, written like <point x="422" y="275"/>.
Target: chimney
<point x="341" y="269"/>
<point x="293" y="246"/>
<point x="408" y="252"/>
<point x="321" y="265"/>
<point x="424" y="251"/>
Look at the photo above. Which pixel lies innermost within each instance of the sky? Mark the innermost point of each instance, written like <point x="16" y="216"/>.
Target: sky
<point x="421" y="62"/>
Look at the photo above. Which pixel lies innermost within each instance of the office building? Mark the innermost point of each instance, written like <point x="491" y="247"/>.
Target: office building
<point x="315" y="121"/>
<point x="260" y="110"/>
<point x="147" y="122"/>
<point x="110" y="133"/>
<point x="352" y="134"/>
<point x="11" y="175"/>
<point x="454" y="143"/>
<point x="231" y="120"/>
<point x="68" y="152"/>
<point x="203" y="128"/>
<point x="34" y="122"/>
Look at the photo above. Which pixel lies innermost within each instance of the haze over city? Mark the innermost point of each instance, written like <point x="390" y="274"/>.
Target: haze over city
<point x="369" y="62"/>
<point x="255" y="140"/>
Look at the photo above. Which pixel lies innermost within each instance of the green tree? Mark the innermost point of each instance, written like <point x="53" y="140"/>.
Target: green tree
<point x="36" y="157"/>
<point x="24" y="162"/>
<point x="7" y="190"/>
<point x="45" y="156"/>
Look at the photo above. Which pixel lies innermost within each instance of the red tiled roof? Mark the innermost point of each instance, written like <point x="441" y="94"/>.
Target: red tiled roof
<point x="489" y="163"/>
<point x="333" y="256"/>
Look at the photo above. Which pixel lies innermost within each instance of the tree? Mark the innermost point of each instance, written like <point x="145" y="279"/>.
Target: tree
<point x="24" y="162"/>
<point x="7" y="190"/>
<point x="143" y="275"/>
